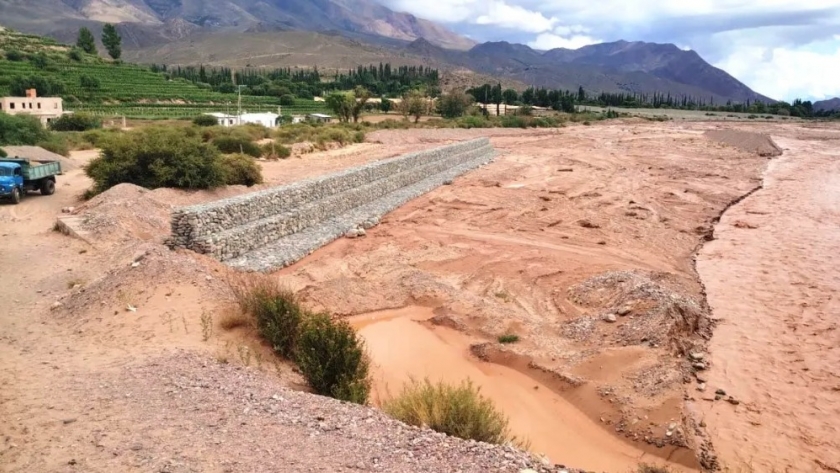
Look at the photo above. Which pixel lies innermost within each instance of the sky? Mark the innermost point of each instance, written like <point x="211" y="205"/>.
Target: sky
<point x="784" y="49"/>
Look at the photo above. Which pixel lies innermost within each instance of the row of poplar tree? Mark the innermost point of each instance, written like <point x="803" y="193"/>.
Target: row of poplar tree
<point x="111" y="39"/>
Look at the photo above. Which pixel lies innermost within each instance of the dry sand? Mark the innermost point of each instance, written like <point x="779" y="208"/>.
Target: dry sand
<point x="566" y="228"/>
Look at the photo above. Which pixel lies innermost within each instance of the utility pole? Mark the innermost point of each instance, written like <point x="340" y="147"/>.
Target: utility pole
<point x="239" y="105"/>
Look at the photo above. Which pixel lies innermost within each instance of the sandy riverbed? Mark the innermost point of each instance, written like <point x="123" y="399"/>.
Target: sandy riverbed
<point x="565" y="228"/>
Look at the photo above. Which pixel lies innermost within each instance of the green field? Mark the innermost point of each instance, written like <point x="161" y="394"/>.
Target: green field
<point x="120" y="89"/>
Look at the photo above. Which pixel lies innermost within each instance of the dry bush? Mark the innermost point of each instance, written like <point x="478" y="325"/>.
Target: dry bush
<point x="235" y="319"/>
<point x="461" y="411"/>
<point x="275" y="309"/>
<point x="645" y="468"/>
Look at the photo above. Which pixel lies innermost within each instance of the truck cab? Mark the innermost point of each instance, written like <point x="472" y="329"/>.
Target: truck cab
<point x="11" y="180"/>
<point x="18" y="176"/>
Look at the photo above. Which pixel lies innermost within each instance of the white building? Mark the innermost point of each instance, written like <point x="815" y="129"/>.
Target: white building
<point x="46" y="109"/>
<point x="224" y="119"/>
<point x="267" y="119"/>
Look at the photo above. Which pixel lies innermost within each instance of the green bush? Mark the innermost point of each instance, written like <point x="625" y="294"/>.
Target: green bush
<point x="461" y="411"/>
<point x="391" y="124"/>
<point x="359" y="137"/>
<point x="75" y="54"/>
<point x="75" y="122"/>
<point x="237" y="144"/>
<point x="241" y="170"/>
<point x="277" y="311"/>
<point x="275" y="151"/>
<point x="3" y="153"/>
<point x="21" y="130"/>
<point x="157" y="157"/>
<point x="514" y="121"/>
<point x="287" y="100"/>
<point x="508" y="338"/>
<point x="15" y="55"/>
<point x="56" y="144"/>
<point x="332" y="358"/>
<point x="97" y="138"/>
<point x="474" y="122"/>
<point x="205" y="120"/>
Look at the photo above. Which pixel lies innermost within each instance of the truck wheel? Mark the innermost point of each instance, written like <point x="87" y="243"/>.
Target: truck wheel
<point x="48" y="187"/>
<point x="15" y="196"/>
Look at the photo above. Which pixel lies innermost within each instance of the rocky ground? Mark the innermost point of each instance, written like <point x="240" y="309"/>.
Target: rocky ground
<point x="579" y="240"/>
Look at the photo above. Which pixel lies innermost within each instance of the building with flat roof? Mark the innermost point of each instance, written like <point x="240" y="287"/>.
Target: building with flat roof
<point x="46" y="109"/>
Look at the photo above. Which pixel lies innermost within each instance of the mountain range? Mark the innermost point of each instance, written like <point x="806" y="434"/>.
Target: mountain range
<point x="344" y="33"/>
<point x="830" y="105"/>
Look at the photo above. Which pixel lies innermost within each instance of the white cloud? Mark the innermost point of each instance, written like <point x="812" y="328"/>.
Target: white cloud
<point x="546" y="41"/>
<point x="785" y="73"/>
<point x="511" y="16"/>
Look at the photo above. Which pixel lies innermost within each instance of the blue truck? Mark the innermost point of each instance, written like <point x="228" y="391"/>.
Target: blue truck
<point x="18" y="176"/>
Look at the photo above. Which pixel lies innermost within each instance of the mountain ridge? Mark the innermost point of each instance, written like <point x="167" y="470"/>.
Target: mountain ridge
<point x="241" y="33"/>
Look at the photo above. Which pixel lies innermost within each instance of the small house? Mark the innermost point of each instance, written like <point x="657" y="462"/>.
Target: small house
<point x="225" y="119"/>
<point x="319" y="117"/>
<point x="268" y="119"/>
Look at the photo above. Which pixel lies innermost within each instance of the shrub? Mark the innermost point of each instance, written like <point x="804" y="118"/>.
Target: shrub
<point x="645" y="468"/>
<point x="75" y="54"/>
<point x="287" y="100"/>
<point x="56" y="144"/>
<point x="89" y="82"/>
<point x="275" y="151"/>
<point x="237" y="144"/>
<point x="509" y="338"/>
<point x="474" y="122"/>
<point x="205" y="120"/>
<point x="3" y="153"/>
<point x="98" y="137"/>
<point x="752" y="117"/>
<point x="157" y="157"/>
<point x="391" y="124"/>
<point x="332" y="358"/>
<point x="241" y="169"/>
<point x="454" y="104"/>
<point x="15" y="55"/>
<point x="514" y="121"/>
<point x="334" y="134"/>
<point x="277" y="312"/>
<point x="461" y="411"/>
<point x="75" y="122"/>
<point x="21" y="130"/>
<point x="359" y="137"/>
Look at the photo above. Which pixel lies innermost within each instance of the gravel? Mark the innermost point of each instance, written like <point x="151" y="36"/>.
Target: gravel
<point x="292" y="248"/>
<point x="185" y="413"/>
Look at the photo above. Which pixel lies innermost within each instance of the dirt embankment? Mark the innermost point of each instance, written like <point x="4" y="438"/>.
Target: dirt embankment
<point x="578" y="240"/>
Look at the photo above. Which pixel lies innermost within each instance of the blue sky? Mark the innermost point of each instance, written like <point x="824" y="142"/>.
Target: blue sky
<point x="781" y="48"/>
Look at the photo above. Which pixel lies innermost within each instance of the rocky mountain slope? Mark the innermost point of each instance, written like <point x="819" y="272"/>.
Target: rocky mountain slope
<point x="346" y="33"/>
<point x="620" y="66"/>
<point x="156" y="21"/>
<point x="827" y="105"/>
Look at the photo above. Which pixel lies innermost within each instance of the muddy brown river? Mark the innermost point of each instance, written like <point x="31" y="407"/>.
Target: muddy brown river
<point x="403" y="345"/>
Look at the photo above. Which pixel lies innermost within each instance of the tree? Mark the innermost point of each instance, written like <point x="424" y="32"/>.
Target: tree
<point x="496" y="94"/>
<point x="341" y="104"/>
<point x="75" y="122"/>
<point x="112" y="41"/>
<point x="21" y="130"/>
<point x="385" y="105"/>
<point x="510" y="96"/>
<point x="360" y="98"/>
<point x="414" y="104"/>
<point x="85" y="41"/>
<point x="453" y="104"/>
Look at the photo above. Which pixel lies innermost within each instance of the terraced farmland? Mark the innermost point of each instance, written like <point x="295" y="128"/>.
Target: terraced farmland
<point x="94" y="85"/>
